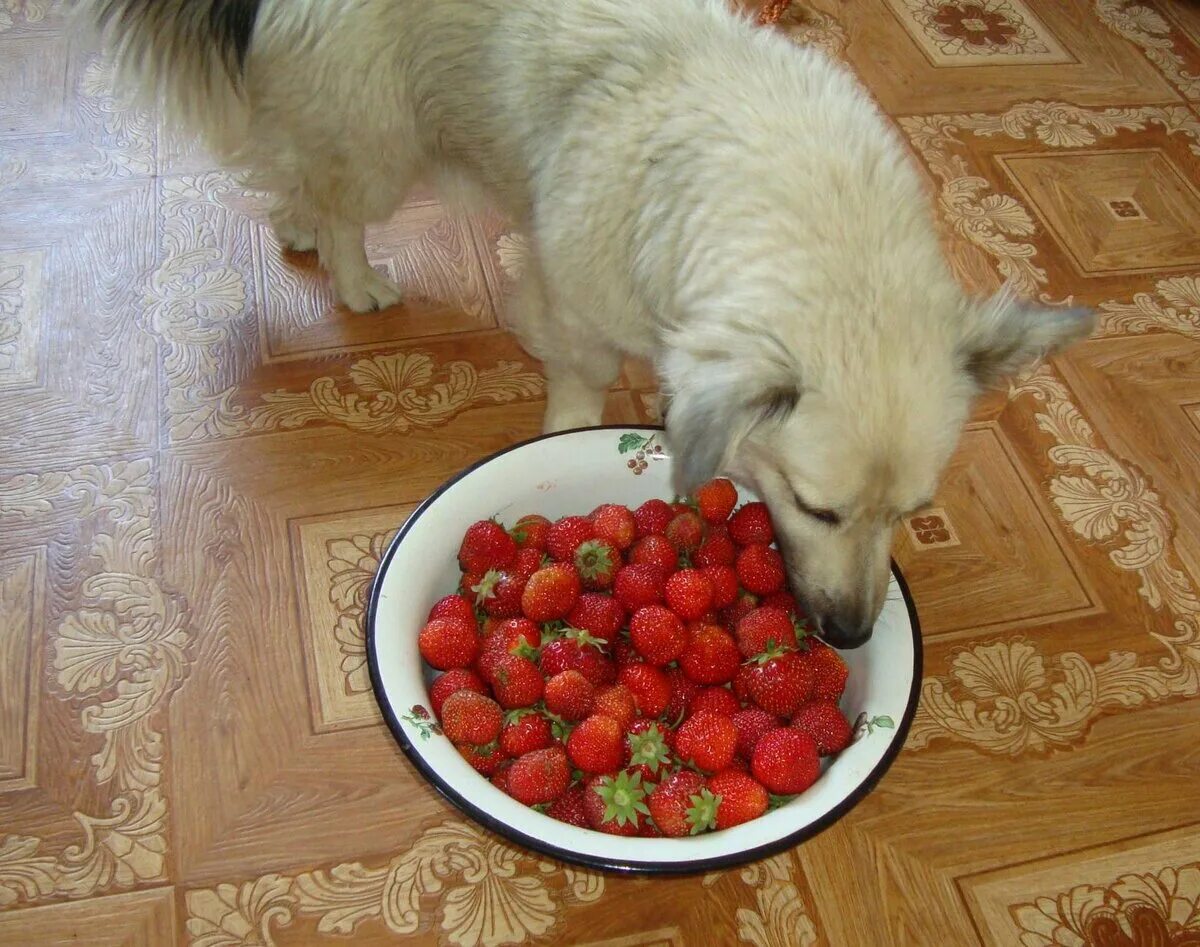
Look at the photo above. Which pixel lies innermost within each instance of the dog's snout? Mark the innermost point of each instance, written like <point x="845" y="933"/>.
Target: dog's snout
<point x="842" y="630"/>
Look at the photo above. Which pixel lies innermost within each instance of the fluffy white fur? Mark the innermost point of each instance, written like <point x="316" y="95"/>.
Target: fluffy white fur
<point x="697" y="191"/>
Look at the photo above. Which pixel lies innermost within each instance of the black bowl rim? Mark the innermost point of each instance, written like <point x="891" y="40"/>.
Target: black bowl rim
<point x="490" y="822"/>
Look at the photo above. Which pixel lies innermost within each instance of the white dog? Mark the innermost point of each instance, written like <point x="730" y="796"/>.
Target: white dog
<point x="696" y="191"/>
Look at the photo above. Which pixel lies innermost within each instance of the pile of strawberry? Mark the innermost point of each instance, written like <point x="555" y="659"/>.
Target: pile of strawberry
<point x="638" y="672"/>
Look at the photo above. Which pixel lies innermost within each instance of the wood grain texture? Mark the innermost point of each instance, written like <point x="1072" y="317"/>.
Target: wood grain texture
<point x="202" y="457"/>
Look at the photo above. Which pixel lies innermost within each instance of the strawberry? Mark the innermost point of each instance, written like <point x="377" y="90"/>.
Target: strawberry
<point x="551" y="592"/>
<point x="569" y="808"/>
<point x="751" y="724"/>
<point x="578" y="651"/>
<point x="780" y="682"/>
<point x="717" y="549"/>
<point x="500" y="777"/>
<point x="597" y="563"/>
<point x="637" y="586"/>
<point x="566" y="535"/>
<point x="649" y="685"/>
<point x="653" y="517"/>
<point x="740" y="797"/>
<point x="516" y="682"/>
<point x="498" y="593"/>
<point x="448" y="643"/>
<point x="655" y="551"/>
<point x="786" y="601"/>
<point x="760" y="569"/>
<point x="647" y="750"/>
<point x="470" y="717"/>
<point x="658" y="634"/>
<point x="466" y="582"/>
<point x="453" y="606"/>
<point x="616" y="701"/>
<point x="486" y="546"/>
<point x="614" y="524"/>
<point x="689" y="593"/>
<point x="716" y="700"/>
<point x="528" y="561"/>
<point x="741" y="683"/>
<point x="570" y="695"/>
<point x="484" y="759"/>
<point x="751" y="525"/>
<point x="686" y="531"/>
<point x="711" y="656"/>
<point x="765" y="628"/>
<point x="599" y="615"/>
<point x="456" y="679"/>
<point x="624" y="652"/>
<point x="829" y="671"/>
<point x="524" y="731"/>
<point x="682" y="805"/>
<point x="825" y="723"/>
<point x="616" y="804"/>
<point x="724" y="585"/>
<point x="706" y="739"/>
<point x="597" y="745"/>
<point x="743" y="605"/>
<point x="786" y="761"/>
<point x="540" y="776"/>
<point x="716" y="499"/>
<point x="530" y="532"/>
<point x="517" y="636"/>
<point x="683" y="691"/>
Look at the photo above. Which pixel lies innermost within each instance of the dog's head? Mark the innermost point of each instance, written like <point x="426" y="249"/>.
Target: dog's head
<point x="844" y="432"/>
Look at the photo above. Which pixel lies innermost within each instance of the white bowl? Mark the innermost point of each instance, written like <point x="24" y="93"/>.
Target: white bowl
<point x="573" y="472"/>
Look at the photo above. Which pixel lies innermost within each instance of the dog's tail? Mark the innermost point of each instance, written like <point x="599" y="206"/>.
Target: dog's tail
<point x="189" y="55"/>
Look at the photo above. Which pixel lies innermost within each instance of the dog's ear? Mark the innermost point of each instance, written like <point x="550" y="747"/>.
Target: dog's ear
<point x="1007" y="335"/>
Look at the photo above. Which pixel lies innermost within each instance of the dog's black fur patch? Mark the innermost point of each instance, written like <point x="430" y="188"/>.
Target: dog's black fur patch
<point x="207" y="28"/>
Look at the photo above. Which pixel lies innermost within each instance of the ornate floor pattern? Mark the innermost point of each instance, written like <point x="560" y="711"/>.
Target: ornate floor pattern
<point x="201" y="460"/>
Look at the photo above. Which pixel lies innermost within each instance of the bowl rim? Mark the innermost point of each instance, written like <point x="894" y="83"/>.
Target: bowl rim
<point x="543" y="847"/>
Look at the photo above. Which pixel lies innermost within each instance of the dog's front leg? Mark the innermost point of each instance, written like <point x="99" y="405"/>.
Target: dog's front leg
<point x="571" y="400"/>
<point x="342" y="249"/>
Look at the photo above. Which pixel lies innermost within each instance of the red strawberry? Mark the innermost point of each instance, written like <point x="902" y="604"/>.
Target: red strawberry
<point x="658" y="634"/>
<point x="530" y="531"/>
<point x="786" y="761"/>
<point x="484" y="759"/>
<point x="763" y="628"/>
<point x="653" y="517"/>
<point x="624" y="652"/>
<point x="711" y="656"/>
<point x="525" y="731"/>
<point x="453" y="606"/>
<point x="498" y="593"/>
<point x="597" y="745"/>
<point x="716" y="499"/>
<point x="616" y="701"/>
<point x="599" y="615"/>
<point x="706" y="739"/>
<point x="486" y="546"/>
<point x="516" y="682"/>
<point x="540" y="776"/>
<point x="551" y="592"/>
<point x="647" y="749"/>
<point x="649" y="685"/>
<point x="760" y="569"/>
<point x="528" y="561"/>
<point x="470" y="717"/>
<point x="751" y="724"/>
<point x="724" y="585"/>
<point x="569" y="808"/>
<point x="717" y="549"/>
<point x="616" y="804"/>
<point x="829" y="671"/>
<point x="637" y="586"/>
<point x="570" y="695"/>
<point x="741" y="683"/>
<point x="597" y="563"/>
<point x="689" y="593"/>
<point x="500" y="777"/>
<point x="780" y="682"/>
<point x="742" y="606"/>
<point x="578" y="651"/>
<point x="448" y="643"/>
<point x="456" y="679"/>
<point x="683" y="690"/>
<point x="566" y="535"/>
<point x="655" y="551"/>
<point x="784" y="600"/>
<point x="825" y="723"/>
<point x="716" y="700"/>
<point x="682" y="805"/>
<point x="741" y="798"/>
<point x="614" y="524"/>
<point x="686" y="531"/>
<point x="517" y="636"/>
<point x="752" y="525"/>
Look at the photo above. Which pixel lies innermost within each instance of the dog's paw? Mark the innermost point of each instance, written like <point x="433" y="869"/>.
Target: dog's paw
<point x="293" y="236"/>
<point x="368" y="292"/>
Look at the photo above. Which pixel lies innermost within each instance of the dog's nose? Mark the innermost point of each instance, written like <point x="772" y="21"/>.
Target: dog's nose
<point x="840" y="633"/>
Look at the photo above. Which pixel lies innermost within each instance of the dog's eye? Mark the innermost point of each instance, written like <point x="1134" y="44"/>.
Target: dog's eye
<point x="828" y="517"/>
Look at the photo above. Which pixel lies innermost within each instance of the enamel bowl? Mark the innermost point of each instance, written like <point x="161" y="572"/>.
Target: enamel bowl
<point x="573" y="472"/>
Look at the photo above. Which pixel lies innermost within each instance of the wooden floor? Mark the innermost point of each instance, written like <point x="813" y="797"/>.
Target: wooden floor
<point x="201" y="459"/>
